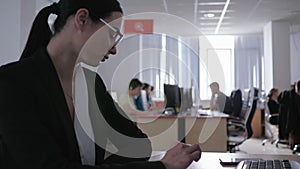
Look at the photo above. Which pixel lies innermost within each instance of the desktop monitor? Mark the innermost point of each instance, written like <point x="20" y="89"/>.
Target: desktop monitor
<point x="172" y="97"/>
<point x="189" y="97"/>
<point x="183" y="98"/>
<point x="186" y="96"/>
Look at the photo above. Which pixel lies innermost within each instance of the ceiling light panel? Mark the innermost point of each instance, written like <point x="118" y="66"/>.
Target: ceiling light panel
<point x="211" y="3"/>
<point x="216" y="3"/>
<point x="214" y="23"/>
<point x="215" y="18"/>
<point x="214" y="11"/>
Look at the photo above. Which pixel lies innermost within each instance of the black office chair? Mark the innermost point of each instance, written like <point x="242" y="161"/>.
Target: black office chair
<point x="239" y="130"/>
<point x="1" y="153"/>
<point x="236" y="103"/>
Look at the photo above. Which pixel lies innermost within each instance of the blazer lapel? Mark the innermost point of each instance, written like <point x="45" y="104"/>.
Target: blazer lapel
<point x="47" y="73"/>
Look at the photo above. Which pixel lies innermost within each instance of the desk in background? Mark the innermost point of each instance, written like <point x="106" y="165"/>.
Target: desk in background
<point x="210" y="160"/>
<point x="165" y="131"/>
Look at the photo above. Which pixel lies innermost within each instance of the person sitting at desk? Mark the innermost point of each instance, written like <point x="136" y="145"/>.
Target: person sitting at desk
<point x="127" y="99"/>
<point x="218" y="98"/>
<point x="144" y="100"/>
<point x="273" y="104"/>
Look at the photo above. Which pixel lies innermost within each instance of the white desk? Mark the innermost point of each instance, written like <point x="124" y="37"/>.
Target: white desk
<point x="210" y="132"/>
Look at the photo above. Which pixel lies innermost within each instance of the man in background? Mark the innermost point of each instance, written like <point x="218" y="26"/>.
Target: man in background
<point x="218" y="98"/>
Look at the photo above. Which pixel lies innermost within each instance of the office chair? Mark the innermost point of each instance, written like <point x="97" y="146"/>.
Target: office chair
<point x="1" y="153"/>
<point x="241" y="130"/>
<point x="239" y="109"/>
<point x="236" y="104"/>
<point x="270" y="120"/>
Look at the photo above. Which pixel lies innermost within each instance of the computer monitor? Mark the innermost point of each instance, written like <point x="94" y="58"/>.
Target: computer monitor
<point x="186" y="98"/>
<point x="189" y="97"/>
<point x="172" y="97"/>
<point x="183" y="98"/>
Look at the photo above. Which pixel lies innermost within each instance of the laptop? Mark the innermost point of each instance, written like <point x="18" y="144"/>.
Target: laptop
<point x="270" y="164"/>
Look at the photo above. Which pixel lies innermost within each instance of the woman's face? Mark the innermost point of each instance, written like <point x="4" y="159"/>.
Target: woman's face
<point x="276" y="94"/>
<point x="137" y="90"/>
<point x="100" y="43"/>
<point x="148" y="90"/>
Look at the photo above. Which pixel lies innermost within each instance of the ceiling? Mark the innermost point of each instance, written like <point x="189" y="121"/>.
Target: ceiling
<point x="241" y="16"/>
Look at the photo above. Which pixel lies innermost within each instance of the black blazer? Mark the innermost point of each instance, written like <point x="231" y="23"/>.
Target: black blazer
<point x="35" y="122"/>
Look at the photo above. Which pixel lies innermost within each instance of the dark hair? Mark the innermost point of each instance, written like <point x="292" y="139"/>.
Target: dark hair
<point x="134" y="83"/>
<point x="40" y="33"/>
<point x="145" y="86"/>
<point x="214" y="84"/>
<point x="152" y="88"/>
<point x="298" y="85"/>
<point x="271" y="92"/>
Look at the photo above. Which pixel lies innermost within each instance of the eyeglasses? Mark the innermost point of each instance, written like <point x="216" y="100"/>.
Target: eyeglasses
<point x="117" y="36"/>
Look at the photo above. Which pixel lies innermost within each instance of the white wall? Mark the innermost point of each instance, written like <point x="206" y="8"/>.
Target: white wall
<point x="277" y="55"/>
<point x="281" y="49"/>
<point x="17" y="17"/>
<point x="295" y="53"/>
<point x="268" y="56"/>
<point x="10" y="30"/>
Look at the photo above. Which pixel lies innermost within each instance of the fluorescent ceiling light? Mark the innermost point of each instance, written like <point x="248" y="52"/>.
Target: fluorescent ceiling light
<point x="214" y="18"/>
<point x="207" y="28"/>
<point x="213" y="28"/>
<point x="214" y="11"/>
<point x="209" y="15"/>
<point x="208" y="24"/>
<point x="211" y="3"/>
<point x="214" y="23"/>
<point x="222" y="16"/>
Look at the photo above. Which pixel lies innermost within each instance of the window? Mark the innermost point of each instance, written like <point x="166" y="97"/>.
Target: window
<point x="169" y="60"/>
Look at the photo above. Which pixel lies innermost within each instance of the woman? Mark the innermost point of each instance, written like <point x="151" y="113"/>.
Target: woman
<point x="142" y="104"/>
<point x="273" y="104"/>
<point x="37" y="111"/>
<point x="144" y="100"/>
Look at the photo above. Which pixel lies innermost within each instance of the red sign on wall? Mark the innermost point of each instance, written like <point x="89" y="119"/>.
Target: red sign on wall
<point x="139" y="26"/>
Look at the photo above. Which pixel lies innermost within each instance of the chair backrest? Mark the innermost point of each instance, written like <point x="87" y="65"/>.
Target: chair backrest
<point x="1" y="153"/>
<point x="253" y="102"/>
<point x="245" y="105"/>
<point x="236" y="103"/>
<point x="228" y="106"/>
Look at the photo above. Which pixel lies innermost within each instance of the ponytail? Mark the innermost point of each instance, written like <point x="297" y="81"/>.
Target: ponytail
<point x="40" y="33"/>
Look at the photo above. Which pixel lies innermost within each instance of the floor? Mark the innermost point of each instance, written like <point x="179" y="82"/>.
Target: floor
<point x="254" y="146"/>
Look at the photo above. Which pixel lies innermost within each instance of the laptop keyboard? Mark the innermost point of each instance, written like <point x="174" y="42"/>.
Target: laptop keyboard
<point x="266" y="164"/>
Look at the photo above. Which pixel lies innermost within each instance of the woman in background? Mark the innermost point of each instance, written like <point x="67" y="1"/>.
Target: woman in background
<point x="144" y="99"/>
<point x="273" y="104"/>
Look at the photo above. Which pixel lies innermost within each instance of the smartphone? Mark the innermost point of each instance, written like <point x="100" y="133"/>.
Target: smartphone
<point x="229" y="161"/>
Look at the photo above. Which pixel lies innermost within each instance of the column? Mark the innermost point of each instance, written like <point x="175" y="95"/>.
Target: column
<point x="277" y="55"/>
